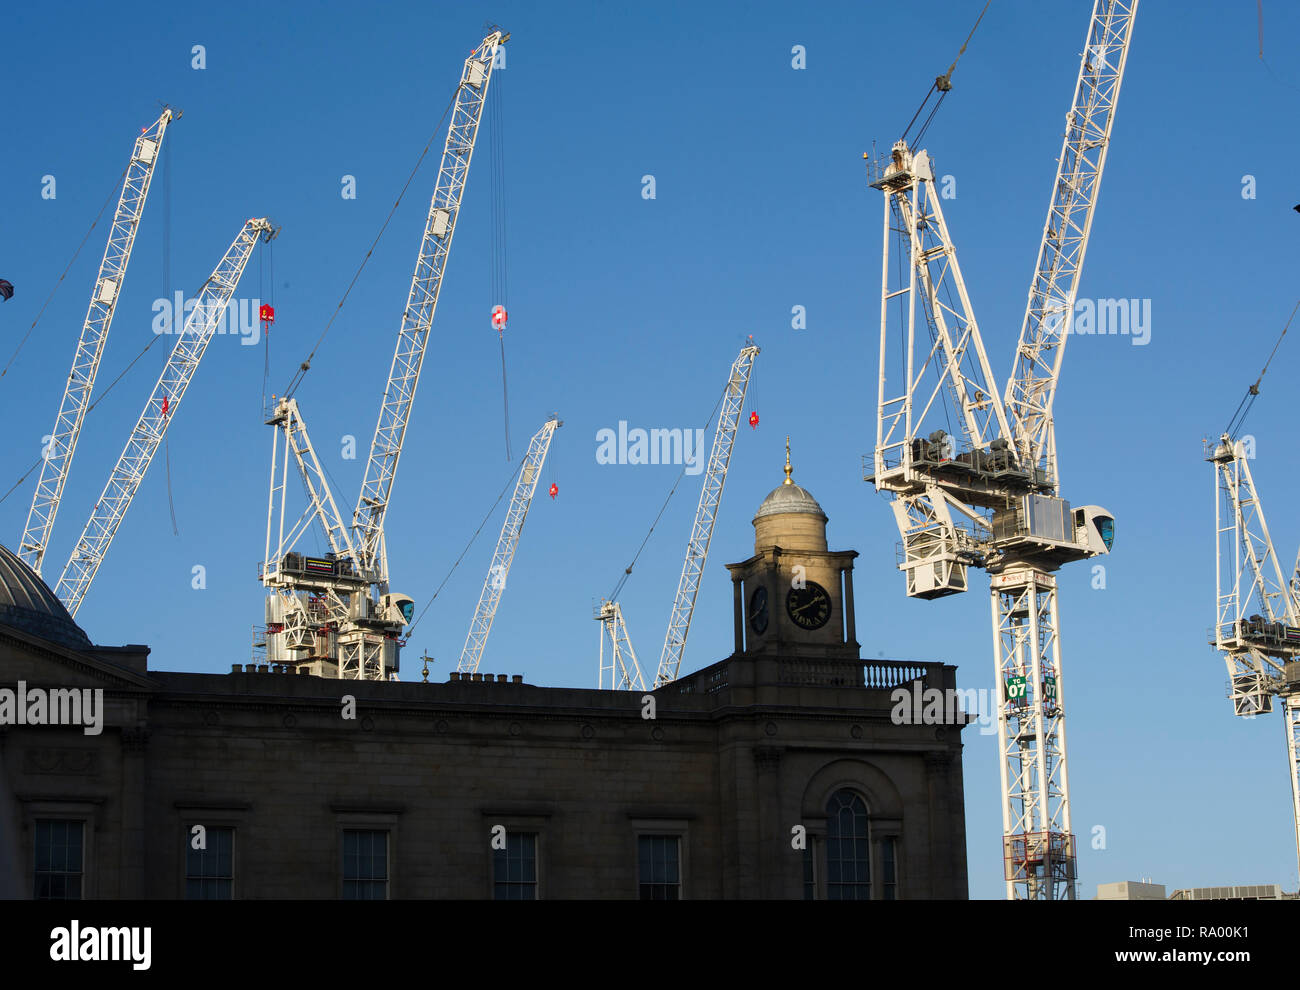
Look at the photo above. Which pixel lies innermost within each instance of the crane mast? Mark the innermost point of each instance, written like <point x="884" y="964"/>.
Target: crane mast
<point x="422" y="301"/>
<point x="1257" y="611"/>
<point x="125" y="478"/>
<point x="530" y="472"/>
<point x="697" y="547"/>
<point x="987" y="497"/>
<point x="62" y="444"/>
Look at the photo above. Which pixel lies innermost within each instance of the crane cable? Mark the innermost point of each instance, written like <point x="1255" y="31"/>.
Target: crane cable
<point x="1260" y="7"/>
<point x="100" y="398"/>
<point x="627" y="572"/>
<point x="942" y="84"/>
<point x="513" y="471"/>
<point x="99" y="216"/>
<point x="499" y="282"/>
<point x="306" y="365"/>
<point x="1248" y="400"/>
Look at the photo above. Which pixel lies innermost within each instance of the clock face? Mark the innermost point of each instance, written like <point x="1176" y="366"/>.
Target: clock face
<point x="809" y="607"/>
<point x="758" y="610"/>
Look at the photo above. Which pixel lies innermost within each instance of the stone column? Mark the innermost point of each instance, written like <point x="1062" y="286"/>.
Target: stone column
<point x="848" y="605"/>
<point x="738" y="607"/>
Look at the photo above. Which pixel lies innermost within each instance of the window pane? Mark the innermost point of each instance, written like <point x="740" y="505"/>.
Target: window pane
<point x="209" y="871"/>
<point x="890" y="878"/>
<point x="658" y="861"/>
<point x="848" y="862"/>
<point x="809" y="876"/>
<point x="365" y="865"/>
<point x="58" y="855"/>
<point x="514" y="868"/>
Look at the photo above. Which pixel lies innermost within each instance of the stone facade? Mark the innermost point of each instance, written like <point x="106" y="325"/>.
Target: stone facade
<point x="740" y="760"/>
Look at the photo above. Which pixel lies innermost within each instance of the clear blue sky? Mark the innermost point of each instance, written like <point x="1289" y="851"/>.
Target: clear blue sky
<point x="628" y="309"/>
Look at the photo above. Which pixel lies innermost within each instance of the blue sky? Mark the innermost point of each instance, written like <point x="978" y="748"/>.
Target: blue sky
<point x="630" y="309"/>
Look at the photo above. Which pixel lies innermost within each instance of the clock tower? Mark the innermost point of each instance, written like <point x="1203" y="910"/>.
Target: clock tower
<point x="794" y="597"/>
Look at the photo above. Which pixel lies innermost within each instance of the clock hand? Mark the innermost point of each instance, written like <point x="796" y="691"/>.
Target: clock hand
<point x="815" y="601"/>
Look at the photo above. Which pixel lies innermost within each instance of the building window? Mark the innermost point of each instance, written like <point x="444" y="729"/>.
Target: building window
<point x="209" y="872"/>
<point x="365" y="865"/>
<point x="659" y="867"/>
<point x="514" y="868"/>
<point x="809" y="872"/>
<point x="848" y="857"/>
<point x="59" y="862"/>
<point x="887" y="866"/>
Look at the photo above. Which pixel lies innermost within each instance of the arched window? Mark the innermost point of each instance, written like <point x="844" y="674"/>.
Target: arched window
<point x="848" y="851"/>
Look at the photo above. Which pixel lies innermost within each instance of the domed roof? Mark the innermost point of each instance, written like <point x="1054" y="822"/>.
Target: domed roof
<point x="27" y="603"/>
<point x="788" y="497"/>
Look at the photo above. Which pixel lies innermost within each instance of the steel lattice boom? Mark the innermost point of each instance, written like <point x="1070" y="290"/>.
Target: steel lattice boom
<point x="697" y="547"/>
<point x="1054" y="288"/>
<point x="125" y="479"/>
<point x="422" y="301"/>
<point x="530" y="472"/>
<point x="62" y="442"/>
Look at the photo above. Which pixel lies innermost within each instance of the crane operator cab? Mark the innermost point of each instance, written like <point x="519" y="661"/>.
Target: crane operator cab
<point x="1094" y="528"/>
<point x="398" y="609"/>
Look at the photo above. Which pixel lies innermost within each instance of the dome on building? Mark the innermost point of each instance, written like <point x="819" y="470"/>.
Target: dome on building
<point x="788" y="497"/>
<point x="789" y="517"/>
<point x="27" y="603"/>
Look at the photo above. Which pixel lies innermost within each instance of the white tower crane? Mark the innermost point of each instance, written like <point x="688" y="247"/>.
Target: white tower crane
<point x="358" y="635"/>
<point x="1257" y="610"/>
<point x="697" y="547"/>
<point x="125" y="478"/>
<point x="62" y="444"/>
<point x="623" y="669"/>
<point x="530" y="472"/>
<point x="989" y="496"/>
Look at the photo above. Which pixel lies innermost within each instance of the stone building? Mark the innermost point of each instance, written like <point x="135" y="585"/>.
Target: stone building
<point x="776" y="772"/>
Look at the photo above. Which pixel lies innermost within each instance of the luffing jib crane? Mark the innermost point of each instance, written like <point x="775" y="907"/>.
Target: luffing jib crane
<point x="530" y="472"/>
<point x="622" y="668"/>
<point x="348" y="624"/>
<point x="697" y="547"/>
<point x="1257" y="610"/>
<point x="62" y="444"/>
<point x="129" y="471"/>
<point x="988" y="497"/>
